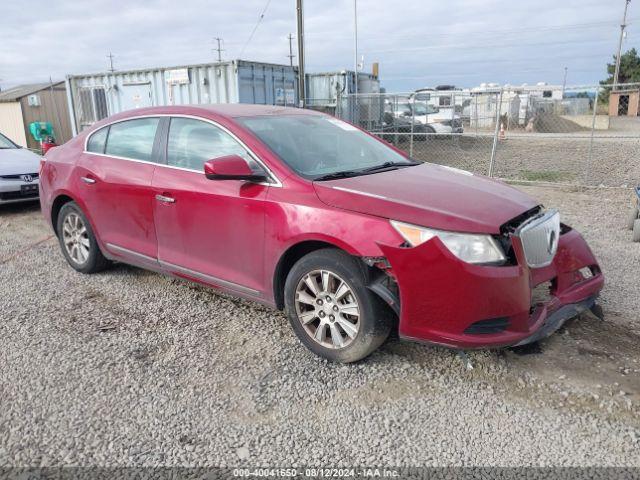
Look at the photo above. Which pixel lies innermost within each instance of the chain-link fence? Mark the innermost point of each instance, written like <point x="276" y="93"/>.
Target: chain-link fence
<point x="573" y="135"/>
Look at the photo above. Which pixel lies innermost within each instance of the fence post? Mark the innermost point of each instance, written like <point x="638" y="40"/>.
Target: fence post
<point x="413" y="119"/>
<point x="587" y="170"/>
<point x="495" y="134"/>
<point x="452" y="100"/>
<point x="476" y="114"/>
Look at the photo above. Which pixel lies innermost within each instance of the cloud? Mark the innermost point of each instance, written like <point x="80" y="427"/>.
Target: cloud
<point x="418" y="43"/>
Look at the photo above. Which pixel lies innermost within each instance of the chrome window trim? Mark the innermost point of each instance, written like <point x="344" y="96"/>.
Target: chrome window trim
<point x="275" y="180"/>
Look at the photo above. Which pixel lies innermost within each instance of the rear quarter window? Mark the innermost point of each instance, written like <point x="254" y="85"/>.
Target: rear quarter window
<point x="98" y="140"/>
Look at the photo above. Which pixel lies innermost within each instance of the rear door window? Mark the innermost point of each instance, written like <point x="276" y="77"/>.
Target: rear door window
<point x="133" y="138"/>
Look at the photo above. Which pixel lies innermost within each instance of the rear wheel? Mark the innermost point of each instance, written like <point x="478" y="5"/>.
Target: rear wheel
<point x="330" y="308"/>
<point x="633" y="216"/>
<point x="77" y="240"/>
<point x="636" y="231"/>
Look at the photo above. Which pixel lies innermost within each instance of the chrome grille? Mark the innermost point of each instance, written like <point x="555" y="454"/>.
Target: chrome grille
<point x="539" y="236"/>
<point x="18" y="176"/>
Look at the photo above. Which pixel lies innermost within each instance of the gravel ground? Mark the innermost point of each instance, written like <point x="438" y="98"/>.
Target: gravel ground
<point x="129" y="368"/>
<point x="564" y="158"/>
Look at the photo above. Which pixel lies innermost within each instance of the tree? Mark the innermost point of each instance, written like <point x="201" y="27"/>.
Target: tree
<point x="629" y="71"/>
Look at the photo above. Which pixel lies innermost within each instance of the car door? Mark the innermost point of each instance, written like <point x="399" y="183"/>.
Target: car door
<point x="210" y="230"/>
<point x="115" y="176"/>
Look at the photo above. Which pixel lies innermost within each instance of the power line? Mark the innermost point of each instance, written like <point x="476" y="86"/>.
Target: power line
<point x="535" y="29"/>
<point x="264" y="10"/>
<point x="475" y="45"/>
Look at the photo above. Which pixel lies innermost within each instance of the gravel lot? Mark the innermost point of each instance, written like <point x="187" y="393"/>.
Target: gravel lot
<point x="563" y="158"/>
<point x="131" y="368"/>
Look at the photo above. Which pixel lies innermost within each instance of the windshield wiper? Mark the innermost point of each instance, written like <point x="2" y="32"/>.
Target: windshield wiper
<point x="335" y="175"/>
<point x="386" y="165"/>
<point x="365" y="171"/>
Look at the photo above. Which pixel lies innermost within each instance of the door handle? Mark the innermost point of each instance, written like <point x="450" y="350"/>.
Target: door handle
<point x="88" y="180"/>
<point x="165" y="199"/>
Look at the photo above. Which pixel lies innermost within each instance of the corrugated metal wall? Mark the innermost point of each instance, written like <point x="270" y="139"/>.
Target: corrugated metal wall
<point x="323" y="88"/>
<point x="52" y="108"/>
<point x="11" y="124"/>
<point x="236" y="81"/>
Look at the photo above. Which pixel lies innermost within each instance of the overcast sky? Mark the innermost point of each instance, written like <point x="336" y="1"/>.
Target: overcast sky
<point x="417" y="42"/>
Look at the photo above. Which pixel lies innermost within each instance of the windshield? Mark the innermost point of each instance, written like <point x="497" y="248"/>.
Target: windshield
<point x="6" y="143"/>
<point x="423" y="109"/>
<point x="316" y="146"/>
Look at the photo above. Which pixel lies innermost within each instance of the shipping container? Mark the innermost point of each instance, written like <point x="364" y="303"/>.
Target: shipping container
<point x="333" y="93"/>
<point x="323" y="89"/>
<point x="93" y="97"/>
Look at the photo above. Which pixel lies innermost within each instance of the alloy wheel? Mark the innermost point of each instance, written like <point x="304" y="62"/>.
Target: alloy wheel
<point x="328" y="309"/>
<point x="76" y="238"/>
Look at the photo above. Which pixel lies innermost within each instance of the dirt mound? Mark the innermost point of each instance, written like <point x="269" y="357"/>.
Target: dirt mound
<point x="551" y="123"/>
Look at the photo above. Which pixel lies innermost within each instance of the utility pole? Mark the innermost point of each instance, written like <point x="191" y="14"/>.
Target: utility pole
<point x="291" y="55"/>
<point x="110" y="57"/>
<point x="622" y="27"/>
<point x="355" y="44"/>
<point x="564" y="82"/>
<point x="219" y="49"/>
<point x="301" y="82"/>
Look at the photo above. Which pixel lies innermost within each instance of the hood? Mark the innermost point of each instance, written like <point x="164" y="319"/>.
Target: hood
<point x="16" y="161"/>
<point x="429" y="195"/>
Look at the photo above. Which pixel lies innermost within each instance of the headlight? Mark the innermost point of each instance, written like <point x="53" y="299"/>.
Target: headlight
<point x="469" y="247"/>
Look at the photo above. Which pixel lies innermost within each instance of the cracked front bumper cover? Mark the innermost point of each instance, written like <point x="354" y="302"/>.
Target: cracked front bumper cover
<point x="442" y="296"/>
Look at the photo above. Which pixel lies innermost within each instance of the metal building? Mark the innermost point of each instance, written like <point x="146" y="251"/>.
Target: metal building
<point x="38" y="102"/>
<point x="93" y="97"/>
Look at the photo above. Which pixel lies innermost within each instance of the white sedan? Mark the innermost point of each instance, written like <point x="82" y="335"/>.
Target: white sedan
<point x="19" y="168"/>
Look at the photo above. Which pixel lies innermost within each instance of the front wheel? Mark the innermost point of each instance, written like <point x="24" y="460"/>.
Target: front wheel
<point x="636" y="231"/>
<point x="330" y="308"/>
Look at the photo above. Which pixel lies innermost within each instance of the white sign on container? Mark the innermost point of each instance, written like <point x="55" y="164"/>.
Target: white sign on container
<point x="178" y="75"/>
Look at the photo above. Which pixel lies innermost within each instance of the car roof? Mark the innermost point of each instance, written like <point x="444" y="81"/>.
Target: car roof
<point x="228" y="110"/>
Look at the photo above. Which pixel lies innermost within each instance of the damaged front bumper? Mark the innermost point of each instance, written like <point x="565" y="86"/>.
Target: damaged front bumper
<point x="449" y="302"/>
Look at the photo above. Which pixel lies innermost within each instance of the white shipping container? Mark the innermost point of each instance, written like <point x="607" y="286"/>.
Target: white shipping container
<point x="93" y="97"/>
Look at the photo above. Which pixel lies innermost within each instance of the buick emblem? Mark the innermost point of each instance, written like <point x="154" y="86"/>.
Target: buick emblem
<point x="551" y="243"/>
<point x="26" y="178"/>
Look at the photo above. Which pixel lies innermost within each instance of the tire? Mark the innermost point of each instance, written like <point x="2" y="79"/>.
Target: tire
<point x="633" y="216"/>
<point x="77" y="240"/>
<point x="345" y="333"/>
<point x="636" y="231"/>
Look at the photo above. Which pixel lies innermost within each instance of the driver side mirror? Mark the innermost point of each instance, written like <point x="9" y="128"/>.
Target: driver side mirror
<point x="231" y="167"/>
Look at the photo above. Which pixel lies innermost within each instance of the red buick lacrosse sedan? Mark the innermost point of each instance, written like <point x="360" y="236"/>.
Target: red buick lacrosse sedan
<point x="307" y="213"/>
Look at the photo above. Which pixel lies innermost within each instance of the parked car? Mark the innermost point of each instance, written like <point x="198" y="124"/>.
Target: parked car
<point x="425" y="114"/>
<point x="634" y="216"/>
<point x="304" y="212"/>
<point x="405" y="128"/>
<point x="18" y="172"/>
